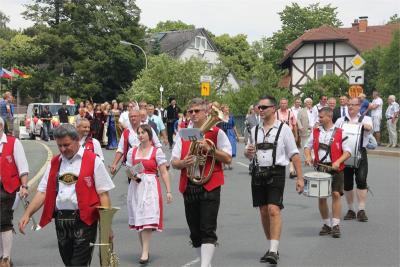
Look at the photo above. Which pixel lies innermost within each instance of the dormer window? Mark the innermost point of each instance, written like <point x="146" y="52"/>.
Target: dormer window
<point x="200" y="42"/>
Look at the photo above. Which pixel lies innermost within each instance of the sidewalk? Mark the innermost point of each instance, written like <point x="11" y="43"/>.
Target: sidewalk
<point x="385" y="151"/>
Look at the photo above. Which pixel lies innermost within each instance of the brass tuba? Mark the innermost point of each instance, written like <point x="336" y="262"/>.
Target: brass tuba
<point x="196" y="173"/>
<point x="108" y="258"/>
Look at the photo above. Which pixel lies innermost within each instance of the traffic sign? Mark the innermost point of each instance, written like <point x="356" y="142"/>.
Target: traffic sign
<point x="356" y="77"/>
<point x="357" y="61"/>
<point x="205" y="78"/>
<point x="355" y="90"/>
<point x="205" y="89"/>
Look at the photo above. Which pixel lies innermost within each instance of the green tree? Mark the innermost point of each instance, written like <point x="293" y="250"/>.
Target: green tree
<point x="82" y="55"/>
<point x="180" y="79"/>
<point x="371" y="69"/>
<point x="171" y="25"/>
<point x="394" y="19"/>
<point x="329" y="85"/>
<point x="295" y="21"/>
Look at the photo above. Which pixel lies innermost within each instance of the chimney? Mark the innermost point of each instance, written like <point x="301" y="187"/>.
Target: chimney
<point x="354" y="25"/>
<point x="363" y="24"/>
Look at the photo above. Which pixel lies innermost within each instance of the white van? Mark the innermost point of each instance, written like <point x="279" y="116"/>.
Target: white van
<point x="34" y="125"/>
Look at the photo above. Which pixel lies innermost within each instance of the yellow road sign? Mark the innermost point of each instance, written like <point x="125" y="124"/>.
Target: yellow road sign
<point x="355" y="90"/>
<point x="357" y="61"/>
<point x="205" y="89"/>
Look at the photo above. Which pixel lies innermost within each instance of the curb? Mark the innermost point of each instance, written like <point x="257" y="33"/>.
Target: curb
<point x="40" y="173"/>
<point x="384" y="153"/>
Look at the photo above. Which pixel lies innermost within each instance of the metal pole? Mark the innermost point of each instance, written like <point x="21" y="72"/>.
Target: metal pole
<point x="135" y="45"/>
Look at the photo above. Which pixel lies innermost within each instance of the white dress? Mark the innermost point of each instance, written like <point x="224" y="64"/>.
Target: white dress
<point x="145" y="207"/>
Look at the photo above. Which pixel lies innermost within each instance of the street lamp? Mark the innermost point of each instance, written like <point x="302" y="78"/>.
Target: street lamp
<point x="135" y="45"/>
<point x="161" y="91"/>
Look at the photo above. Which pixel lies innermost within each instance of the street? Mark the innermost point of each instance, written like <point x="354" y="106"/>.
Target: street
<point x="241" y="238"/>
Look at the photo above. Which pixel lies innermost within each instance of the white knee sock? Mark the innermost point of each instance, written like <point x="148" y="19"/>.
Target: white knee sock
<point x="274" y="245"/>
<point x="207" y="253"/>
<point x="327" y="222"/>
<point x="335" y="221"/>
<point x="7" y="238"/>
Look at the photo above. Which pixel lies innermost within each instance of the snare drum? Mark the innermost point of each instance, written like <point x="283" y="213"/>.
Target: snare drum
<point x="353" y="134"/>
<point x="317" y="184"/>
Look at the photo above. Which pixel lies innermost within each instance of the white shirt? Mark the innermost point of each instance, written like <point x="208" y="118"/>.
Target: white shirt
<point x="295" y="111"/>
<point x="134" y="141"/>
<point x="315" y="111"/>
<point x="223" y="144"/>
<point x="124" y="119"/>
<point x="378" y="111"/>
<point x="160" y="156"/>
<point x="391" y="110"/>
<point x="19" y="155"/>
<point x="285" y="150"/>
<point x="96" y="146"/>
<point x="366" y="120"/>
<point x="324" y="138"/>
<point x="66" y="197"/>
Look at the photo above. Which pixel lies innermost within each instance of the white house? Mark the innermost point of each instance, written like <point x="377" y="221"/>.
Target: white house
<point x="326" y="50"/>
<point x="184" y="44"/>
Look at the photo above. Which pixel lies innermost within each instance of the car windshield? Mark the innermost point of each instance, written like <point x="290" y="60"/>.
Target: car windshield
<point x="54" y="109"/>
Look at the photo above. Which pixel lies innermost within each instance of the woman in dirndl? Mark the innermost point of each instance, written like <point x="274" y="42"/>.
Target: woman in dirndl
<point x="145" y="205"/>
<point x="229" y="127"/>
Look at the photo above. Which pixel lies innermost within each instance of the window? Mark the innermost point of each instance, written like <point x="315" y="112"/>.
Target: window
<point x="200" y="42"/>
<point x="323" y="69"/>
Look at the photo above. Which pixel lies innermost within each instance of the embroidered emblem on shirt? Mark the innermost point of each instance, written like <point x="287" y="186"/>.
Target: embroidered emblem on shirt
<point x="9" y="158"/>
<point x="88" y="180"/>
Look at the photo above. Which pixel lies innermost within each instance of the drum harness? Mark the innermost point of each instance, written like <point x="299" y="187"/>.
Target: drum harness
<point x="346" y="119"/>
<point x="325" y="167"/>
<point x="265" y="175"/>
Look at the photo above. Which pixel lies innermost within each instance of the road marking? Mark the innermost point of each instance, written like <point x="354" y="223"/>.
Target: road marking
<point x="243" y="164"/>
<point x="40" y="173"/>
<point x="190" y="263"/>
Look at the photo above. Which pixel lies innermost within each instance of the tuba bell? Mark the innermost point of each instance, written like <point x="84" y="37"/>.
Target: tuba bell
<point x="108" y="258"/>
<point x="197" y="172"/>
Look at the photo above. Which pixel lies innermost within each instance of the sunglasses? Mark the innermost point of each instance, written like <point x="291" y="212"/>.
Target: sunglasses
<point x="262" y="107"/>
<point x="194" y="111"/>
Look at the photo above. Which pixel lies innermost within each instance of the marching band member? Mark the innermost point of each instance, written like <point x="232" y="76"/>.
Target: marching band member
<point x="85" y="140"/>
<point x="13" y="177"/>
<point x="329" y="149"/>
<point x="361" y="172"/>
<point x="74" y="184"/>
<point x="202" y="201"/>
<point x="129" y="139"/>
<point x="274" y="147"/>
<point x="145" y="204"/>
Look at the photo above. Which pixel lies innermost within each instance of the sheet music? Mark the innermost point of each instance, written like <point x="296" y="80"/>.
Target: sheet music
<point x="191" y="134"/>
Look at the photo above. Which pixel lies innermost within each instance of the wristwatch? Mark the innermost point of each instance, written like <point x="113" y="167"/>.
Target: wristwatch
<point x="25" y="186"/>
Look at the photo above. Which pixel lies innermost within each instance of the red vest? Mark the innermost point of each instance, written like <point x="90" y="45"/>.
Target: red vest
<point x="126" y="143"/>
<point x="9" y="171"/>
<point x="85" y="188"/>
<point x="88" y="145"/>
<point x="336" y="147"/>
<point x="217" y="177"/>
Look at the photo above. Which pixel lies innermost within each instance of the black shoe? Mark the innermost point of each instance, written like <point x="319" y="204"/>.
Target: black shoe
<point x="350" y="215"/>
<point x="361" y="216"/>
<point x="325" y="230"/>
<point x="264" y="258"/>
<point x="336" y="231"/>
<point x="272" y="257"/>
<point x="141" y="261"/>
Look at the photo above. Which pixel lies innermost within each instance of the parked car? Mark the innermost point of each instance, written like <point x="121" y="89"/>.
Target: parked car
<point x="33" y="123"/>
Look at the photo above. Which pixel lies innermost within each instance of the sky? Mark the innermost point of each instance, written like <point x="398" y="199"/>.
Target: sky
<point x="255" y="18"/>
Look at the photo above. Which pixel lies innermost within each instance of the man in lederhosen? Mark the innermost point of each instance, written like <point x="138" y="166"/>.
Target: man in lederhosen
<point x="329" y="150"/>
<point x="361" y="172"/>
<point x="129" y="139"/>
<point x="86" y="140"/>
<point x="75" y="183"/>
<point x="13" y="177"/>
<point x="272" y="151"/>
<point x="202" y="201"/>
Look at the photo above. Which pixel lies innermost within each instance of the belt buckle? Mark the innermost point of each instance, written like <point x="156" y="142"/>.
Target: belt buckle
<point x="68" y="178"/>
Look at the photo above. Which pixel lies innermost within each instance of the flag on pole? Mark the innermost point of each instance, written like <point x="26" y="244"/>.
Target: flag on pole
<point x="18" y="72"/>
<point x="6" y="74"/>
